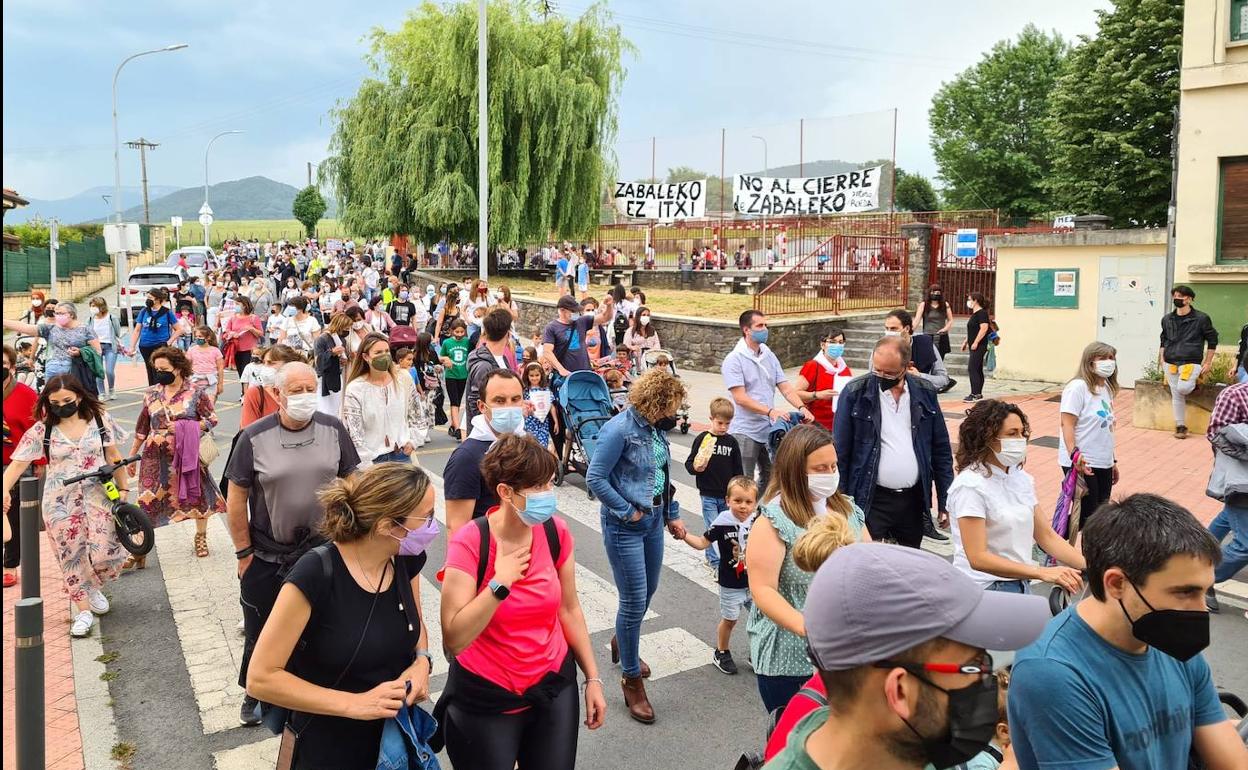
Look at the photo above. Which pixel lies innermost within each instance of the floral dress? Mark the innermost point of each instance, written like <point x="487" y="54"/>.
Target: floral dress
<point x="78" y="517"/>
<point x="159" y="484"/>
<point x="538" y="429"/>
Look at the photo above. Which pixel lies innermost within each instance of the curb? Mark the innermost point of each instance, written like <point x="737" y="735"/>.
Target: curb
<point x="96" y="723"/>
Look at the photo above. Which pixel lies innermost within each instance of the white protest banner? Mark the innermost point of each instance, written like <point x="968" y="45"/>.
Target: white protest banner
<point x="807" y="195"/>
<point x="679" y="200"/>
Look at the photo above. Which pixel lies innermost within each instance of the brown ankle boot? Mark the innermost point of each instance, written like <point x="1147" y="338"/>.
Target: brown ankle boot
<point x="639" y="707"/>
<point x="615" y="658"/>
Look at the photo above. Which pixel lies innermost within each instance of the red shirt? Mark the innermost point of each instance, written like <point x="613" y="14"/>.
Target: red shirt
<point x="19" y="416"/>
<point x="798" y="707"/>
<point x="244" y="341"/>
<point x="819" y="378"/>
<point x="524" y="640"/>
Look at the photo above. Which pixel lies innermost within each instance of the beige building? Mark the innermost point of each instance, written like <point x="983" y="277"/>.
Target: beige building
<point x="1211" y="251"/>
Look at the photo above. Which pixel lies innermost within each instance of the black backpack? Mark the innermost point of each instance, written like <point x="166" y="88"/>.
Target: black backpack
<point x="483" y="527"/>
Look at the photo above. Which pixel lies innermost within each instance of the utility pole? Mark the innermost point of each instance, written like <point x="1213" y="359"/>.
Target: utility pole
<point x="142" y="145"/>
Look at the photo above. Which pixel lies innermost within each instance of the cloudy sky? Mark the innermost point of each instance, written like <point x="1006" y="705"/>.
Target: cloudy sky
<point x="275" y="69"/>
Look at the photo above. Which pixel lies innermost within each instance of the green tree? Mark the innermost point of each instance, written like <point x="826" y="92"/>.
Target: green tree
<point x="988" y="126"/>
<point x="718" y="197"/>
<point x="404" y="150"/>
<point x="1112" y="115"/>
<point x="915" y="193"/>
<point x="308" y="208"/>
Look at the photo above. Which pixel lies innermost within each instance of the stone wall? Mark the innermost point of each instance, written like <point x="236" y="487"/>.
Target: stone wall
<point x="700" y="344"/>
<point x="693" y="280"/>
<point x="918" y="266"/>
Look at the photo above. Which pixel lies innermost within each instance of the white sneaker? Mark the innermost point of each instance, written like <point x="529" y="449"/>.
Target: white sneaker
<point x="97" y="601"/>
<point x="242" y="628"/>
<point x="83" y="622"/>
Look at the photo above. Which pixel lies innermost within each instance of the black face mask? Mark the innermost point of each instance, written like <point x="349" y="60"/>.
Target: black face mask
<point x="1181" y="634"/>
<point x="665" y="423"/>
<point x="64" y="411"/>
<point x="973" y="719"/>
<point x="887" y="383"/>
<point x="934" y="296"/>
<point x="5" y="377"/>
<point x="1179" y="302"/>
<point x="163" y="378"/>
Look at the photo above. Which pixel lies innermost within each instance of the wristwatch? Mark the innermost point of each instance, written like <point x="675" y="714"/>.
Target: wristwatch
<point x="499" y="590"/>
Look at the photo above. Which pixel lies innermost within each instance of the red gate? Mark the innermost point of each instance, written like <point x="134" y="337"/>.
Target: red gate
<point x="844" y="273"/>
<point x="960" y="276"/>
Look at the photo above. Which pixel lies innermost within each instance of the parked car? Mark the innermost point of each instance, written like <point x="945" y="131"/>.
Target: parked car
<point x="141" y="281"/>
<point x="196" y="256"/>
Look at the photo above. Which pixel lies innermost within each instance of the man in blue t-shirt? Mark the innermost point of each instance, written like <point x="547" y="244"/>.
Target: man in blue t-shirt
<point x="1117" y="680"/>
<point x="563" y="340"/>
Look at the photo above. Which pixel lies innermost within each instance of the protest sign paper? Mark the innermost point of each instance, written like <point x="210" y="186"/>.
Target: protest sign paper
<point x="678" y="200"/>
<point x="807" y="195"/>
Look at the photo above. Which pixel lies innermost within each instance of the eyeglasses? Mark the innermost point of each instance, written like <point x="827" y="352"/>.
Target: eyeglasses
<point x="980" y="665"/>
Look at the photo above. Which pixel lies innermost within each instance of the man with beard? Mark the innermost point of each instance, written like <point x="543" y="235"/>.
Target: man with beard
<point x="899" y="639"/>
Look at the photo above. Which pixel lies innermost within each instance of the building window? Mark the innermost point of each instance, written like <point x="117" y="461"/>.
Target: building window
<point x="1239" y="20"/>
<point x="1233" y="211"/>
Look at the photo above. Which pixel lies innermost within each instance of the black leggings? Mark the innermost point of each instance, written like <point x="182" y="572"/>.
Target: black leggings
<point x="147" y="362"/>
<point x="541" y="738"/>
<point x="975" y="367"/>
<point x="241" y="359"/>
<point x="1100" y="484"/>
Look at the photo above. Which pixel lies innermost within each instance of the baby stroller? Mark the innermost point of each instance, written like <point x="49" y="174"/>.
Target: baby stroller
<point x="665" y="360"/>
<point x="586" y="406"/>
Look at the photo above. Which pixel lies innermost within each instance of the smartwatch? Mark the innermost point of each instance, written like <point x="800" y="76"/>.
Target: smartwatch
<point x="499" y="590"/>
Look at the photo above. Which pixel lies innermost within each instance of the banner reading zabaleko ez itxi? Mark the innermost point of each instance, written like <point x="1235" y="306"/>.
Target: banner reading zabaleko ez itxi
<point x="679" y="200"/>
<point x="807" y="195"/>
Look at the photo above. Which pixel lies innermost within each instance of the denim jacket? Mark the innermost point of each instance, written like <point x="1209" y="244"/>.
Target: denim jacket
<point x="405" y="741"/>
<point x="622" y="472"/>
<point x="857" y="435"/>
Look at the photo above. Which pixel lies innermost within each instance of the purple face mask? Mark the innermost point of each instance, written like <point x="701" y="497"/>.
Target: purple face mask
<point x="417" y="540"/>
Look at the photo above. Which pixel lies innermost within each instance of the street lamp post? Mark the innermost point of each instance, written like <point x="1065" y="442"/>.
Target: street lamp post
<point x="205" y="211"/>
<point x="483" y="148"/>
<point x="765" y="167"/>
<point x="119" y="266"/>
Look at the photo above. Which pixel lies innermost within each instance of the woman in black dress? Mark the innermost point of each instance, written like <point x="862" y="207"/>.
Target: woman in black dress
<point x="345" y="647"/>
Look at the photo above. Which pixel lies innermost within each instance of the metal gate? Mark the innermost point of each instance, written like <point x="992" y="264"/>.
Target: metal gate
<point x="844" y="273"/>
<point x="960" y="276"/>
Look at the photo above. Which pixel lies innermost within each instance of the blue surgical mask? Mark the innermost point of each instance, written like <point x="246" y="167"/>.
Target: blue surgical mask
<point x="539" y="506"/>
<point x="403" y="295"/>
<point x="506" y="419"/>
<point x="759" y="335"/>
<point x="290" y="311"/>
<point x="835" y="350"/>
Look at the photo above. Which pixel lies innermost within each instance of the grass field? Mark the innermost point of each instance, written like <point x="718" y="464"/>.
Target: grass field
<point x="263" y="229"/>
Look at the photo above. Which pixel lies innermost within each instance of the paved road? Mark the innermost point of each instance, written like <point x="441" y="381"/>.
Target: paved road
<point x="173" y="628"/>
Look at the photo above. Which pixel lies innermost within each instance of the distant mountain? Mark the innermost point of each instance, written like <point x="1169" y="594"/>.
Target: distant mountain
<point x="816" y="168"/>
<point x="255" y="197"/>
<point x="86" y="205"/>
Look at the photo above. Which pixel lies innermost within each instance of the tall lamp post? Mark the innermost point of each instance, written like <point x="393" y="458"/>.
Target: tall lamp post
<point x="765" y="167"/>
<point x="205" y="211"/>
<point x="119" y="266"/>
<point x="483" y="148"/>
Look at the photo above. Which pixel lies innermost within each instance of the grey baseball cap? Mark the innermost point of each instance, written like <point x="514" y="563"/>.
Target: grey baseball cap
<point x="871" y="601"/>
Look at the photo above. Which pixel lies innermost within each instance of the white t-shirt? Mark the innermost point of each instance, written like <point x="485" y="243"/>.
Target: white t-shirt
<point x="103" y="329"/>
<point x="1094" y="424"/>
<point x="299" y="333"/>
<point x="1006" y="502"/>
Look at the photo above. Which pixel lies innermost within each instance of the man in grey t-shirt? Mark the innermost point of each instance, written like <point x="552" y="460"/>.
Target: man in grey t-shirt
<point x="275" y="469"/>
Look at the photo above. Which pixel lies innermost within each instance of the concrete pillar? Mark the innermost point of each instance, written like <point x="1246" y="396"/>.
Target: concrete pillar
<point x="919" y="234"/>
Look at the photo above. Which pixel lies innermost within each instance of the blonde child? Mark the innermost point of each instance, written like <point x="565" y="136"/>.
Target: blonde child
<point x="207" y="363"/>
<point x="714" y="461"/>
<point x="619" y="392"/>
<point x="729" y="532"/>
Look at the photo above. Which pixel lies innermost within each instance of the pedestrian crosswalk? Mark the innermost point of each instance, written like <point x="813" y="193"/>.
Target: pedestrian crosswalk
<point x="203" y="598"/>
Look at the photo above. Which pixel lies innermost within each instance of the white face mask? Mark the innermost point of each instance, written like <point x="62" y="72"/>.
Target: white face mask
<point x="1106" y="368"/>
<point x="823" y="485"/>
<point x="265" y="374"/>
<point x="645" y="320"/>
<point x="1013" y="452"/>
<point x="970" y="305"/>
<point x="301" y="406"/>
<point x="892" y="333"/>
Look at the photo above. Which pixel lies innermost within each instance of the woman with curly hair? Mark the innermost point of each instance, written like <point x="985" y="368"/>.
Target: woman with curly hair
<point x="630" y="474"/>
<point x="993" y="502"/>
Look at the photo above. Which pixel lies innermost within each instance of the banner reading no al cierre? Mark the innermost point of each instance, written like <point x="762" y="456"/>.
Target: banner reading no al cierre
<point x="807" y="195"/>
<point x="678" y="200"/>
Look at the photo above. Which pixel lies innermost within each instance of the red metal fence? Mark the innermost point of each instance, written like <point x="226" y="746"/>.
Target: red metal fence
<point x="844" y="273"/>
<point x="959" y="276"/>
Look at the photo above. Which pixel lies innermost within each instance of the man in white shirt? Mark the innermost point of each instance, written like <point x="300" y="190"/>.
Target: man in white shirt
<point x="891" y="444"/>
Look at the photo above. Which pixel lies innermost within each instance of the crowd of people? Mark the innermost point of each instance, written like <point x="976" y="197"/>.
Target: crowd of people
<point x="867" y="651"/>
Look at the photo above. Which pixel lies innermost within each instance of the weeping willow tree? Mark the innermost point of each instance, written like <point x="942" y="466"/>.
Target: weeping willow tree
<point x="404" y="149"/>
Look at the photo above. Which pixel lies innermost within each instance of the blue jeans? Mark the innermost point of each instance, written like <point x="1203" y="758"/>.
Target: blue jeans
<point x="397" y="456"/>
<point x="635" y="551"/>
<point x="776" y="691"/>
<point x="1235" y="552"/>
<point x="110" y="367"/>
<point x="711" y="506"/>
<point x="1008" y="586"/>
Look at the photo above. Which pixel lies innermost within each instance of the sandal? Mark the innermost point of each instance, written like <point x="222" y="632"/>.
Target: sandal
<point x="134" y="562"/>
<point x="201" y="544"/>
